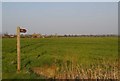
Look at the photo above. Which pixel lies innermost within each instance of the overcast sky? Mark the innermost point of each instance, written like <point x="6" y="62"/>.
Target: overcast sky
<point x="61" y="17"/>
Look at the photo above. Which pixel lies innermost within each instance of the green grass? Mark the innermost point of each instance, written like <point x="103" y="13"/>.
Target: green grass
<point x="0" y="58"/>
<point x="48" y="51"/>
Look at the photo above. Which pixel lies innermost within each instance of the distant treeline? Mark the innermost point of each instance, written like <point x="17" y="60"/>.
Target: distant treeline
<point x="109" y="35"/>
<point x="34" y="35"/>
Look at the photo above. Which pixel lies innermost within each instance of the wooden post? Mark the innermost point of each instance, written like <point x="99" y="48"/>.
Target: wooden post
<point x="18" y="49"/>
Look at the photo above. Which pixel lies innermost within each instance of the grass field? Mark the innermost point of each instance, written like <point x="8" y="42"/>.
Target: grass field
<point x="0" y="58"/>
<point x="80" y="57"/>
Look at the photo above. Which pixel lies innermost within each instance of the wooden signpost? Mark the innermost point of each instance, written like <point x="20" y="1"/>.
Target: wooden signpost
<point x="19" y="30"/>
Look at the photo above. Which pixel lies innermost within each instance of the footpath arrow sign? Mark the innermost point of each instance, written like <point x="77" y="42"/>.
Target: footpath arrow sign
<point x="23" y="30"/>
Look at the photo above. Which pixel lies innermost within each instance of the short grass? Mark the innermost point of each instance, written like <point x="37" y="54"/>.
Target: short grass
<point x="39" y="52"/>
<point x="0" y="58"/>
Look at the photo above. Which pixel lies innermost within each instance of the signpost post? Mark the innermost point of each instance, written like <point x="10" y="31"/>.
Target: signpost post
<point x="18" y="46"/>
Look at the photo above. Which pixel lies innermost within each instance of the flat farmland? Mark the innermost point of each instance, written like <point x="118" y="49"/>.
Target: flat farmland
<point x="61" y="58"/>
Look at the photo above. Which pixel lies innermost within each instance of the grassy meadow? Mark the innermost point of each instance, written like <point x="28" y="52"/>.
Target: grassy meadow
<point x="61" y="58"/>
<point x="0" y="58"/>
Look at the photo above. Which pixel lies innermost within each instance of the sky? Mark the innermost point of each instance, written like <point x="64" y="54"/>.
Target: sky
<point x="60" y="0"/>
<point x="61" y="17"/>
<point x="0" y="17"/>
